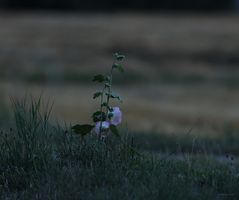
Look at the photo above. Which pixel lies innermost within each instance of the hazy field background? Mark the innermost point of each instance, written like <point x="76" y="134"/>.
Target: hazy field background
<point x="181" y="69"/>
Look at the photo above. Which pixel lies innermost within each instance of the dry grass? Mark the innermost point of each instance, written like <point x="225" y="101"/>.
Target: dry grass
<point x="182" y="70"/>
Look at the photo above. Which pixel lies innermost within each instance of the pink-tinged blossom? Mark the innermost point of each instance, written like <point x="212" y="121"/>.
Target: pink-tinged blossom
<point x="105" y="126"/>
<point x="117" y="116"/>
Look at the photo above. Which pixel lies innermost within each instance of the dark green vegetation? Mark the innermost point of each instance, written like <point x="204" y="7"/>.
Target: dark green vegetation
<point x="41" y="161"/>
<point x="223" y="144"/>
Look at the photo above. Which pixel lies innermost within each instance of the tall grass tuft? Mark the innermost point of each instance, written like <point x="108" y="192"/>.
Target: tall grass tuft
<point x="26" y="148"/>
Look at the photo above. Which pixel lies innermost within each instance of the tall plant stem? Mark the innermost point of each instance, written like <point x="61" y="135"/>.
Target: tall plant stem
<point x="101" y="110"/>
<point x="109" y="89"/>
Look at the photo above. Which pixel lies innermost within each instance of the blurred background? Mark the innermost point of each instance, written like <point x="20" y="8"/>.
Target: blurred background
<point x="181" y="67"/>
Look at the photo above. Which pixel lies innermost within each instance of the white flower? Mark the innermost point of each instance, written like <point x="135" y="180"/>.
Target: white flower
<point x="117" y="116"/>
<point x="105" y="125"/>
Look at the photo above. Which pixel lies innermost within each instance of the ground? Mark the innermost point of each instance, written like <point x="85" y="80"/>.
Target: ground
<point x="41" y="161"/>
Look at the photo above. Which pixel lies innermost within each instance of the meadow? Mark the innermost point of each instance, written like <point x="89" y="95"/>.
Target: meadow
<point x="42" y="161"/>
<point x="179" y="137"/>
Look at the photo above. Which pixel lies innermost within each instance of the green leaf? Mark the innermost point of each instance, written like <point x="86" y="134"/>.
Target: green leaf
<point x="114" y="96"/>
<point x="82" y="129"/>
<point x="99" y="78"/>
<point x="110" y="115"/>
<point x="107" y="85"/>
<point x="107" y="79"/>
<point x="104" y="104"/>
<point x="99" y="116"/>
<point x="119" y="57"/>
<point x="119" y="67"/>
<point x="97" y="113"/>
<point x="97" y="94"/>
<point x="114" y="130"/>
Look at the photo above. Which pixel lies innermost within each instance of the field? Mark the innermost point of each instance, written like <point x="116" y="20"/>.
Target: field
<point x="41" y="161"/>
<point x="182" y="69"/>
<point x="180" y="105"/>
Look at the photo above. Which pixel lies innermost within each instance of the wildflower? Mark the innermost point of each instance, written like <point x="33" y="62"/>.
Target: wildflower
<point x="116" y="119"/>
<point x="105" y="125"/>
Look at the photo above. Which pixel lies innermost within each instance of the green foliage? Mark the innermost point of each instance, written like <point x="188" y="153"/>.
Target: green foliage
<point x="99" y="78"/>
<point x="119" y="57"/>
<point x="97" y="94"/>
<point x="26" y="149"/>
<point x="104" y="104"/>
<point x="105" y="95"/>
<point x="119" y="67"/>
<point x="114" y="96"/>
<point x="99" y="116"/>
<point x="82" y="129"/>
<point x="114" y="130"/>
<point x="110" y="115"/>
<point x="223" y="144"/>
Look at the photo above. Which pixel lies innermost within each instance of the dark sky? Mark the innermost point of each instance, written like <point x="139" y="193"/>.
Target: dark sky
<point x="111" y="5"/>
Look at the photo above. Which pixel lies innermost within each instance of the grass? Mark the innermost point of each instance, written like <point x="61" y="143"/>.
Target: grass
<point x="42" y="161"/>
<point x="222" y="144"/>
<point x="173" y="72"/>
<point x="172" y="55"/>
<point x="78" y="78"/>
